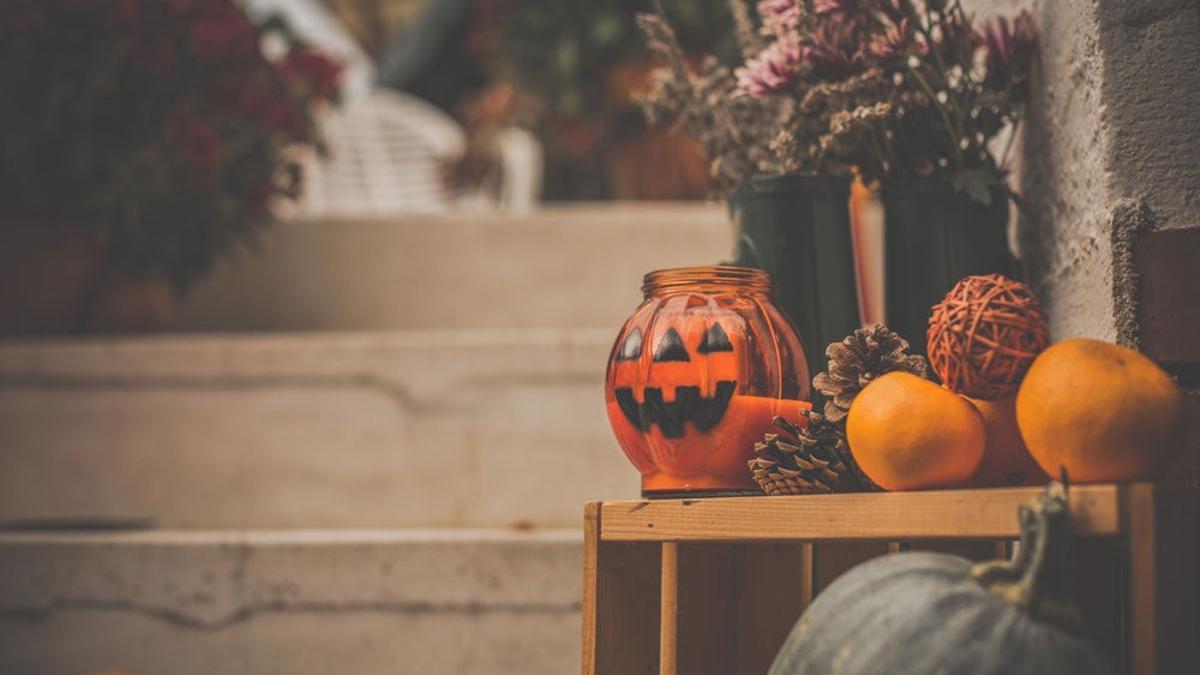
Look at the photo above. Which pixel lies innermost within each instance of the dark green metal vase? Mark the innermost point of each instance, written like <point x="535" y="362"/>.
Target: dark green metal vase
<point x="933" y="237"/>
<point x="798" y="229"/>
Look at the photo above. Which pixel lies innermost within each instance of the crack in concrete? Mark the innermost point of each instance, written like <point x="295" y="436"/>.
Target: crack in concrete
<point x="253" y="610"/>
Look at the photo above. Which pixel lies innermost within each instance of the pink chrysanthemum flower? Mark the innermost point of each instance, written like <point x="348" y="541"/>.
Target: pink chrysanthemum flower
<point x="892" y="44"/>
<point x="836" y="50"/>
<point x="779" y="17"/>
<point x="773" y="69"/>
<point x="1009" y="48"/>
<point x="829" y="6"/>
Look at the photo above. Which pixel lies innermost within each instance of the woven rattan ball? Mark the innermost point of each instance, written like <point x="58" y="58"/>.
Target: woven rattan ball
<point x="984" y="334"/>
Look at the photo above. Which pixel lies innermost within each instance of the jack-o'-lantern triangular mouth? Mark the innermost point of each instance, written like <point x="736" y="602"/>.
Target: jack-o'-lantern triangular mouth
<point x="704" y="412"/>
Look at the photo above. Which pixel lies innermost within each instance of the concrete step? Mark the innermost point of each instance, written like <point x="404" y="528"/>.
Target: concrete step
<point x="561" y="266"/>
<point x="459" y="428"/>
<point x="291" y="602"/>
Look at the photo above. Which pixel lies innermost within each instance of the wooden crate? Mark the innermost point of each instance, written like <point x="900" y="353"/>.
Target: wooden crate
<point x="712" y="586"/>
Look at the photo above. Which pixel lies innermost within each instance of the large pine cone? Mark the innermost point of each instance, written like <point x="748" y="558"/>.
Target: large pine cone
<point x="810" y="460"/>
<point x="854" y="362"/>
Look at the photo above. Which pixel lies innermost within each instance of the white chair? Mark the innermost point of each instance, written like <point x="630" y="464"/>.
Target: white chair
<point x="387" y="149"/>
<point x="385" y="156"/>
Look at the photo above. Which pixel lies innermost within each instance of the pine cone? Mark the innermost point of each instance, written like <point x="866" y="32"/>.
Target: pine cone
<point x="811" y="460"/>
<point x="854" y="362"/>
<point x="833" y="436"/>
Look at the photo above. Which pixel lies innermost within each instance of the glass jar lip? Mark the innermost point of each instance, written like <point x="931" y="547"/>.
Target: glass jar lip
<point x="708" y="278"/>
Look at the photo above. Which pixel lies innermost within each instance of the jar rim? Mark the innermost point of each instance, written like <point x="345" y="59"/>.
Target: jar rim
<point x="708" y="277"/>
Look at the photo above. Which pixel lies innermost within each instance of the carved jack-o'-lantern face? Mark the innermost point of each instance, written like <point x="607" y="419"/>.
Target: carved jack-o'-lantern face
<point x="694" y="379"/>
<point x="688" y="400"/>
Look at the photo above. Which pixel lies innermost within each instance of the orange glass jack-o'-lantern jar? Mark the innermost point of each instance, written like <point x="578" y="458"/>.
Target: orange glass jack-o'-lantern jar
<point x="696" y="376"/>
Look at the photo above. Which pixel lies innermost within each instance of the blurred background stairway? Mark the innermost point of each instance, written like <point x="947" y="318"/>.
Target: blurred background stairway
<point x="366" y="449"/>
<point x="367" y="453"/>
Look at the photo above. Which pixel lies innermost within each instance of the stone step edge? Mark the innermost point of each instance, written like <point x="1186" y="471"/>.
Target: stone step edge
<point x="421" y="338"/>
<point x="247" y="354"/>
<point x="212" y="579"/>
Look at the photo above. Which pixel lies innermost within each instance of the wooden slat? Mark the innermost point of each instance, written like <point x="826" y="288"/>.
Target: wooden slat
<point x="1100" y="577"/>
<point x="668" y="610"/>
<point x="591" y="544"/>
<point x="620" y="603"/>
<point x="733" y="603"/>
<point x="1163" y="588"/>
<point x="727" y="608"/>
<point x="832" y="559"/>
<point x="975" y="550"/>
<point x="705" y="629"/>
<point x="774" y="586"/>
<point x="947" y="514"/>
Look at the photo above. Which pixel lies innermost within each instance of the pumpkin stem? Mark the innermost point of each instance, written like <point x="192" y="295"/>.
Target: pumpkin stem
<point x="1037" y="578"/>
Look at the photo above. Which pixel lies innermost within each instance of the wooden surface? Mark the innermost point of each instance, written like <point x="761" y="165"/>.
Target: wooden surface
<point x="620" y="604"/>
<point x="832" y="559"/>
<point x="591" y="545"/>
<point x="1101" y="591"/>
<point x="773" y="587"/>
<point x="706" y="641"/>
<point x="948" y="514"/>
<point x="1163" y="594"/>
<point x="726" y="608"/>
<point x="668" y="621"/>
<point x="972" y="549"/>
<point x="712" y="586"/>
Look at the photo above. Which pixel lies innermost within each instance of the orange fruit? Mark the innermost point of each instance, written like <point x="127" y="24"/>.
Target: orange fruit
<point x="908" y="433"/>
<point x="1006" y="460"/>
<point x="1103" y="412"/>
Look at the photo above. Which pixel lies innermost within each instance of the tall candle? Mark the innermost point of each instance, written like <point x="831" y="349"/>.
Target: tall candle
<point x="698" y="460"/>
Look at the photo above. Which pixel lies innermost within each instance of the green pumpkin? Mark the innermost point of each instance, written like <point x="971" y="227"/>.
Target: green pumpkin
<point x="932" y="613"/>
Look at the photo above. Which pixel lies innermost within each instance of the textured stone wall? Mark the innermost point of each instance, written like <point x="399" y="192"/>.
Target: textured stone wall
<point x="1151" y="90"/>
<point x="1064" y="235"/>
<point x="1114" y="119"/>
<point x="1108" y="167"/>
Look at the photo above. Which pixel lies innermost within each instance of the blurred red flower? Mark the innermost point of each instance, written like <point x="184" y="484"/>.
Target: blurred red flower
<point x="316" y="74"/>
<point x="124" y="91"/>
<point x="199" y="143"/>
<point x="223" y="32"/>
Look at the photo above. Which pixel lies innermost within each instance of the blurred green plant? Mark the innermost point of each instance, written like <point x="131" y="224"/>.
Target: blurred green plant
<point x="578" y="64"/>
<point x="563" y="51"/>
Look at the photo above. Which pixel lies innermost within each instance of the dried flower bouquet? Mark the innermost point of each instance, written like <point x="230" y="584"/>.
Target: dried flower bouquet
<point x="890" y="88"/>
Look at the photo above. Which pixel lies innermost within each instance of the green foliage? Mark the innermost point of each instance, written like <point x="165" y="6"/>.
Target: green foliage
<point x="561" y="51"/>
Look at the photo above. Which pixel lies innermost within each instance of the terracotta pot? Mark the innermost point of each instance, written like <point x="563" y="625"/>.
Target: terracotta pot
<point x="127" y="305"/>
<point x="658" y="165"/>
<point x="46" y="272"/>
<point x="653" y="164"/>
<point x="55" y="279"/>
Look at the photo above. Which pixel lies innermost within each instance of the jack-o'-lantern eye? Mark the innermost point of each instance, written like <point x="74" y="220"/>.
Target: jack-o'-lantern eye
<point x="632" y="348"/>
<point x="715" y="340"/>
<point x="670" y="348"/>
